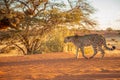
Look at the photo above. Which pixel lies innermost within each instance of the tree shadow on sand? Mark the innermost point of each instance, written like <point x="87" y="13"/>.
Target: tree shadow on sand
<point x="33" y="62"/>
<point x="89" y="76"/>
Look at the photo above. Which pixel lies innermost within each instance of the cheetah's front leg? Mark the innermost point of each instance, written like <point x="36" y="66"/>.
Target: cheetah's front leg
<point x="95" y="52"/>
<point x="82" y="50"/>
<point x="77" y="55"/>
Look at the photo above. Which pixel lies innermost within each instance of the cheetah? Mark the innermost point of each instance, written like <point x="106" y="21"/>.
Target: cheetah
<point x="94" y="40"/>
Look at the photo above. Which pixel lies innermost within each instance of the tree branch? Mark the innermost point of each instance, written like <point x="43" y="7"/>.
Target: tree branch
<point x="7" y="6"/>
<point x="45" y="5"/>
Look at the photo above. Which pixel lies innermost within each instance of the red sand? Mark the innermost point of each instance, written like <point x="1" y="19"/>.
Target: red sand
<point x="59" y="66"/>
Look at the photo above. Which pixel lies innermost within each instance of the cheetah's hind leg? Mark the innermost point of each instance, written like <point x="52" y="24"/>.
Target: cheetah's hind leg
<point x="102" y="52"/>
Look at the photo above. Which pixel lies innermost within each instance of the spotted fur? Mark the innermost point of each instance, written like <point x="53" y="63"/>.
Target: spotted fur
<point x="94" y="40"/>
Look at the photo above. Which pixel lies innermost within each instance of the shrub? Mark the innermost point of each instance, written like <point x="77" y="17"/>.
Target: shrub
<point x="54" y="45"/>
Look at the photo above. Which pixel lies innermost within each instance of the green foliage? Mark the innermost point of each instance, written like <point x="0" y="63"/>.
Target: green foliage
<point x="55" y="39"/>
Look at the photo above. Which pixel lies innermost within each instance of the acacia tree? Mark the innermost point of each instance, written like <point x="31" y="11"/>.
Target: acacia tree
<point x="109" y="29"/>
<point x="44" y="15"/>
<point x="46" y="12"/>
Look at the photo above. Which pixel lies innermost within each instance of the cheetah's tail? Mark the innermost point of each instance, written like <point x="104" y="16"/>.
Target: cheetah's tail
<point x="113" y="47"/>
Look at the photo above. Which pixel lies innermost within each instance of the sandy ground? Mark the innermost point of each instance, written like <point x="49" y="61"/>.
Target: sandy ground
<point x="59" y="66"/>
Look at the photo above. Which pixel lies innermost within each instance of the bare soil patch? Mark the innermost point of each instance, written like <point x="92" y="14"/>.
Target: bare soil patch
<point x="59" y="66"/>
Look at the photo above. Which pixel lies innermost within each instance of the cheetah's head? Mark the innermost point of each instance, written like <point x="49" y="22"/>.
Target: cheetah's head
<point x="68" y="39"/>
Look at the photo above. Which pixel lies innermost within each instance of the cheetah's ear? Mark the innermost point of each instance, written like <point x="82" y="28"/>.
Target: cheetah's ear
<point x="76" y="35"/>
<point x="68" y="37"/>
